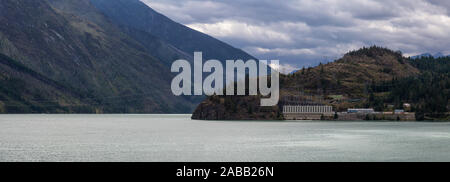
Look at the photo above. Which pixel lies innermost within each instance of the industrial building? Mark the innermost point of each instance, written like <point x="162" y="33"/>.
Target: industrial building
<point x="307" y="112"/>
<point x="307" y="109"/>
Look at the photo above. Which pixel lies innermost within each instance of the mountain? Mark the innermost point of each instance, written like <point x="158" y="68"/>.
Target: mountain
<point x="95" y="58"/>
<point x="422" y="55"/>
<point x="156" y="47"/>
<point x="437" y="55"/>
<point x="345" y="83"/>
<point x="136" y="16"/>
<point x="117" y="67"/>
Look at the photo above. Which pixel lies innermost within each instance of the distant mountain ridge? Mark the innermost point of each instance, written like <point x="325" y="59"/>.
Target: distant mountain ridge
<point x="436" y="55"/>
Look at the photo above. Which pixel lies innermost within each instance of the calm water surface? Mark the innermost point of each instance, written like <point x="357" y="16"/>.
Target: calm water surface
<point x="178" y="138"/>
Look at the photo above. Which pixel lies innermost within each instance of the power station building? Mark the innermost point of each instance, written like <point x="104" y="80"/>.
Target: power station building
<point x="304" y="106"/>
<point x="307" y="109"/>
<point x="307" y="112"/>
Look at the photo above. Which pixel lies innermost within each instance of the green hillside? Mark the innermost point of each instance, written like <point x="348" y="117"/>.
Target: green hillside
<point x="369" y="77"/>
<point x="24" y="91"/>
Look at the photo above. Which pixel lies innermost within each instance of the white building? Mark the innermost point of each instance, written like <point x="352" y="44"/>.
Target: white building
<point x="399" y="111"/>
<point x="361" y="111"/>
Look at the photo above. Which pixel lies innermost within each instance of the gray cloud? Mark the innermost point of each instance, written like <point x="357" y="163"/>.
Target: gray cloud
<point x="306" y="32"/>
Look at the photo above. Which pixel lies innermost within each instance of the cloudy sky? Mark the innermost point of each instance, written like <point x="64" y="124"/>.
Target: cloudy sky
<point x="306" y="32"/>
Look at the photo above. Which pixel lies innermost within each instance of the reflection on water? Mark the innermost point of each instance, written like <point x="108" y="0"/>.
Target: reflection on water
<point x="177" y="138"/>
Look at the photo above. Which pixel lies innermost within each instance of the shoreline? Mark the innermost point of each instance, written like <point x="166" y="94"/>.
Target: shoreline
<point x="237" y="120"/>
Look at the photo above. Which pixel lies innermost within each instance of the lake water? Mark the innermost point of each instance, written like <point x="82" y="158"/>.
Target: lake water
<point x="178" y="138"/>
